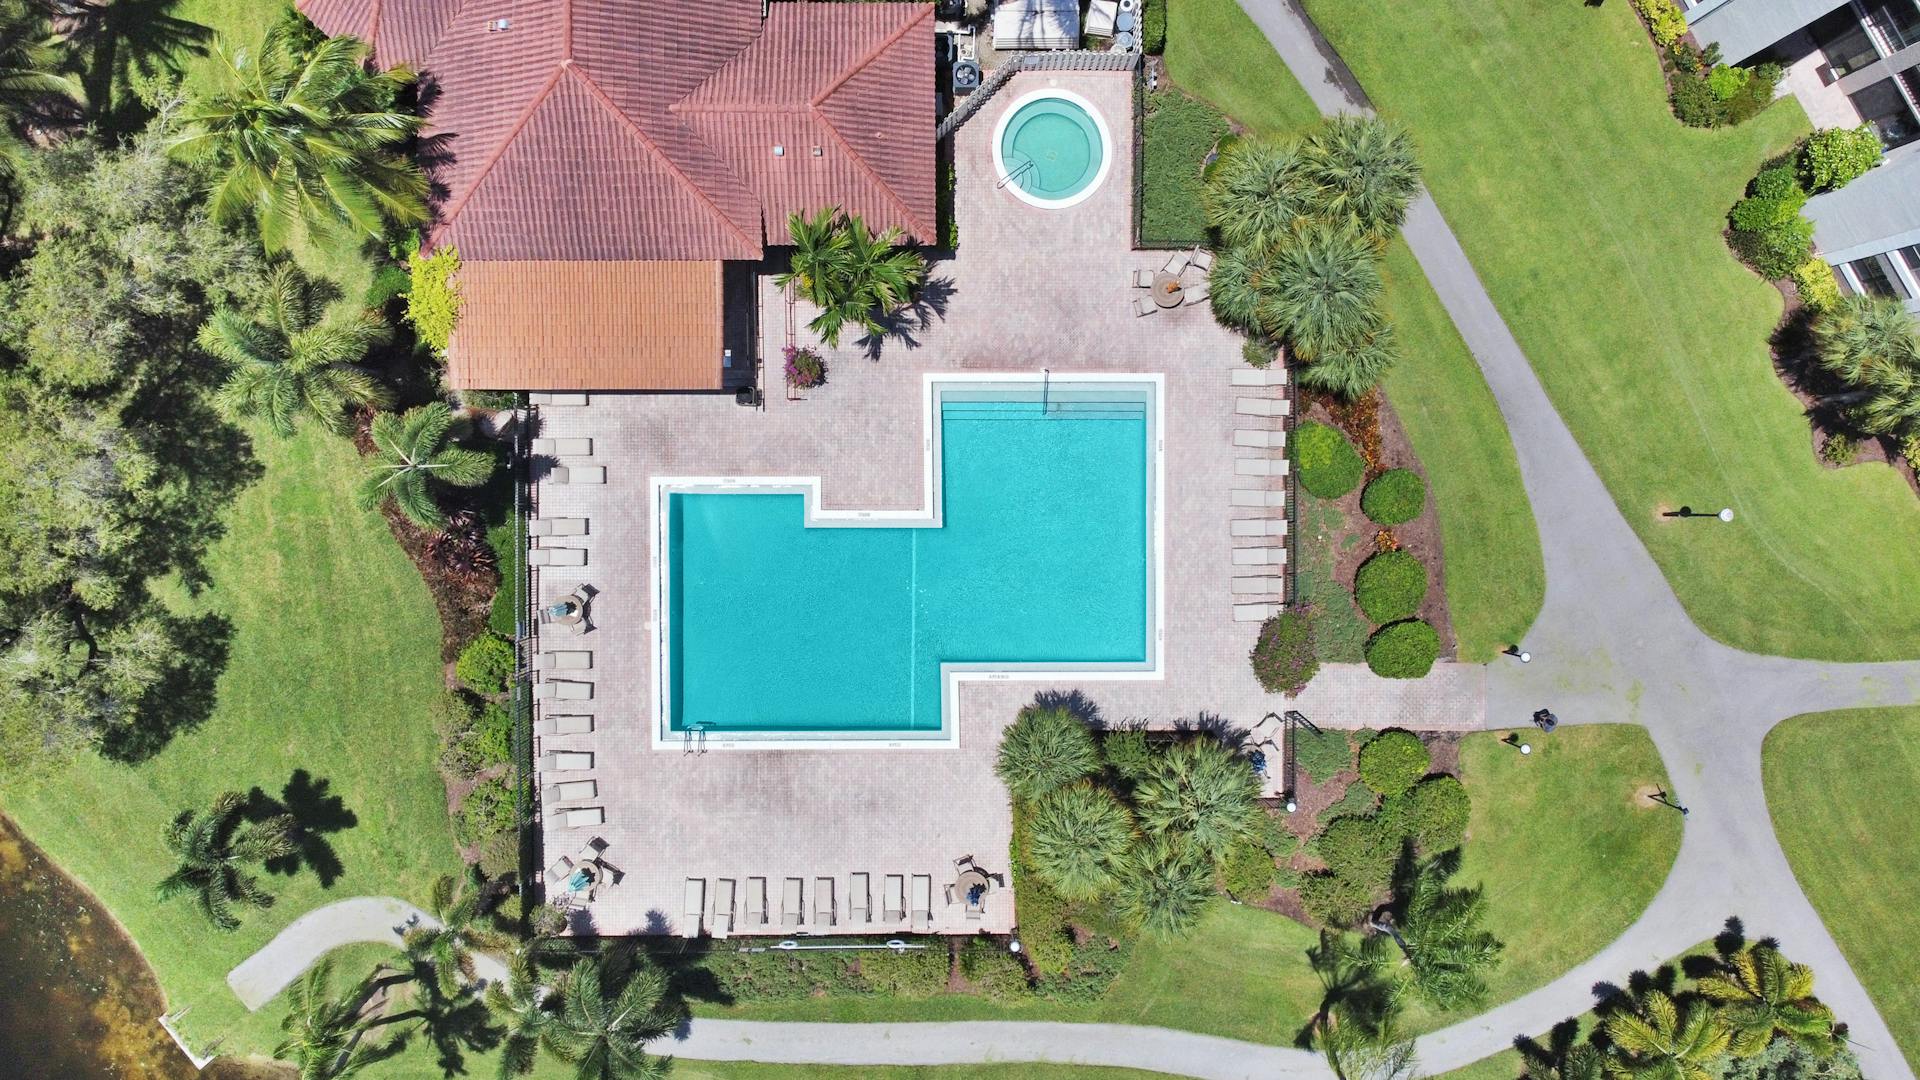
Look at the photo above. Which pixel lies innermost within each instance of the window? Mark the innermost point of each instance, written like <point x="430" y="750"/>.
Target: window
<point x="1885" y="109"/>
<point x="1897" y="20"/>
<point x="1872" y="277"/>
<point x="1911" y="255"/>
<point x="1845" y="42"/>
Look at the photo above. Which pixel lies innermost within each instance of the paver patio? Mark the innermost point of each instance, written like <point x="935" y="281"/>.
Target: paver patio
<point x="1028" y="289"/>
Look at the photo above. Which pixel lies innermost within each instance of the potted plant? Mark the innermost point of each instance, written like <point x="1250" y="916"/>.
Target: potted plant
<point x="805" y="369"/>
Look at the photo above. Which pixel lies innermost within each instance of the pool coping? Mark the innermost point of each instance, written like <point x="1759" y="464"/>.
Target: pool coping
<point x="1099" y="123"/>
<point x="928" y="515"/>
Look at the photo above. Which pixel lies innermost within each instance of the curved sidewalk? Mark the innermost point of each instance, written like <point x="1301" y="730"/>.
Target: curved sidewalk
<point x="377" y="920"/>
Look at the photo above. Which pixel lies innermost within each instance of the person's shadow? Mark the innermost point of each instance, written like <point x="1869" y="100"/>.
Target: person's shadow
<point x="316" y="812"/>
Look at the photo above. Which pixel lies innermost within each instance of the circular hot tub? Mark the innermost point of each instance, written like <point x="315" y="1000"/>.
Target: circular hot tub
<point x="1051" y="148"/>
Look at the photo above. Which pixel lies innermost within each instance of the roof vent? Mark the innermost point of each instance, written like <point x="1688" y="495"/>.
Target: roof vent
<point x="818" y="152"/>
<point x="779" y="151"/>
<point x="500" y="24"/>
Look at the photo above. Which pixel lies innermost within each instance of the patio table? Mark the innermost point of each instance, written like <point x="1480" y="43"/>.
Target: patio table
<point x="1167" y="289"/>
<point x="971" y="879"/>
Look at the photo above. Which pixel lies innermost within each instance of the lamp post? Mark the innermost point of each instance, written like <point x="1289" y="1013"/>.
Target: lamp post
<point x="1289" y="758"/>
<point x="1725" y="514"/>
<point x="1519" y="654"/>
<point x="1664" y="799"/>
<point x="1526" y="749"/>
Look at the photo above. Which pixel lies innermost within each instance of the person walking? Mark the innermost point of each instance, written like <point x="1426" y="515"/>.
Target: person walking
<point x="1545" y="721"/>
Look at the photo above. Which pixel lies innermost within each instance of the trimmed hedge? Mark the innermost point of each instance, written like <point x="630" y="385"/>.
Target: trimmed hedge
<point x="1283" y="657"/>
<point x="1403" y="650"/>
<point x="1321" y="755"/>
<point x="1390" y="586"/>
<point x="1393" y="761"/>
<point x="1395" y="497"/>
<point x="1834" y="157"/>
<point x="1434" y="812"/>
<point x="1329" y="465"/>
<point x="485" y="664"/>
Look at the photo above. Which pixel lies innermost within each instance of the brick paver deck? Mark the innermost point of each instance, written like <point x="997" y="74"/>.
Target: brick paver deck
<point x="1028" y="289"/>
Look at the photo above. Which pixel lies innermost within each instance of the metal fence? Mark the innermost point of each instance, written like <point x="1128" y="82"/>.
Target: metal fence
<point x="1066" y="60"/>
<point x="524" y="646"/>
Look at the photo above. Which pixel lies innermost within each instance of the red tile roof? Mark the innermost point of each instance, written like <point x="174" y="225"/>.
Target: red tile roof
<point x="644" y="129"/>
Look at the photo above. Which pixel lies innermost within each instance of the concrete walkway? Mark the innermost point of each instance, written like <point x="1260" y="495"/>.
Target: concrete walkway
<point x="378" y="920"/>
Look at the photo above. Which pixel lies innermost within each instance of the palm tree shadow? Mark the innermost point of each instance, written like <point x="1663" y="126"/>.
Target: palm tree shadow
<point x="929" y="304"/>
<point x="115" y="41"/>
<point x="316" y="812"/>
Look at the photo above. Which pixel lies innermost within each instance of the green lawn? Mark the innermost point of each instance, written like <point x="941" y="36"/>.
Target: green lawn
<point x="746" y="1070"/>
<point x="335" y="657"/>
<point x="1595" y="220"/>
<point x="1844" y="792"/>
<point x="1494" y="575"/>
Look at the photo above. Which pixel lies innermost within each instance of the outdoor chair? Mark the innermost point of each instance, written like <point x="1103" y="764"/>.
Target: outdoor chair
<point x="1176" y="262"/>
<point x="1258" y="498"/>
<point x="1259" y="556"/>
<point x="1145" y="306"/>
<point x="1203" y="260"/>
<point x="1143" y="279"/>
<point x="578" y="474"/>
<point x="1259" y="526"/>
<point x="563" y="690"/>
<point x="823" y="901"/>
<point x="696" y="906"/>
<point x="572" y="790"/>
<point x="922" y="900"/>
<point x="722" y="924"/>
<point x="1259" y="467"/>
<point x="1254" y="612"/>
<point x="566" y="761"/>
<point x="560" y="871"/>
<point x="1259" y="406"/>
<point x="859" y="899"/>
<point x="1258" y="439"/>
<point x="563" y="447"/>
<point x="1196" y="294"/>
<point x="566" y="660"/>
<point x="791" y="906"/>
<point x="557" y="399"/>
<point x="586" y="815"/>
<point x="756" y="902"/>
<point x="1101" y="15"/>
<point x="557" y="526"/>
<point x="1271" y="375"/>
<point x="896" y="901"/>
<point x="1258" y="586"/>
<point x="564" y="724"/>
<point x="556" y="556"/>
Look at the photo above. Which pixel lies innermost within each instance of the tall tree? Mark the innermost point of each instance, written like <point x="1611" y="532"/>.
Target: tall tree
<point x="1440" y="930"/>
<point x="446" y="949"/>
<point x="1763" y="994"/>
<point x="604" y="1034"/>
<point x="326" y="1035"/>
<point x="1352" y="368"/>
<point x="1199" y="793"/>
<point x="1323" y="293"/>
<point x="1872" y="344"/>
<point x="212" y="850"/>
<point x="1076" y="837"/>
<point x="1356" y="1026"/>
<point x="1257" y="193"/>
<point x="522" y="1005"/>
<point x="290" y="361"/>
<point x="29" y="76"/>
<point x="1044" y="749"/>
<point x="1366" y="173"/>
<point x="1662" y="1040"/>
<point x="307" y="137"/>
<point x="853" y="275"/>
<point x="415" y="451"/>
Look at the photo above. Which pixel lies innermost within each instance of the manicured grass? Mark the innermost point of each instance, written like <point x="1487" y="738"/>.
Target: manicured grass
<point x="1843" y="789"/>
<point x="1494" y="574"/>
<point x="1339" y="630"/>
<point x="335" y="657"/>
<point x="1595" y="220"/>
<point x="1178" y="133"/>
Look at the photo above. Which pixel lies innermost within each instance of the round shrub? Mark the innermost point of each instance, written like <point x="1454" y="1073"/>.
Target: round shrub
<point x="1247" y="871"/>
<point x="1403" y="650"/>
<point x="1390" y="586"/>
<point x="1360" y="849"/>
<point x="1395" y="497"/>
<point x="1393" y="761"/>
<point x="1329" y="465"/>
<point x="1833" y="157"/>
<point x="1338" y="900"/>
<point x="1127" y="753"/>
<point x="493" y="735"/>
<point x="1043" y="750"/>
<point x="1075" y="836"/>
<point x="1434" y="813"/>
<point x="485" y="664"/>
<point x="1283" y="658"/>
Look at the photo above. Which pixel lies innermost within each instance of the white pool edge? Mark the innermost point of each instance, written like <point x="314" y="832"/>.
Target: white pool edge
<point x="1099" y="122"/>
<point x="928" y="515"/>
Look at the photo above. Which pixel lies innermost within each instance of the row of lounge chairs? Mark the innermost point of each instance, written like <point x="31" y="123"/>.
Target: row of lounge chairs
<point x="1259" y="541"/>
<point x="714" y="911"/>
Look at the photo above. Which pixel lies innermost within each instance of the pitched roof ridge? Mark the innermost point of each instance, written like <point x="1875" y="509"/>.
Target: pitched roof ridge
<point x="500" y="149"/>
<point x="923" y="232"/>
<point x="926" y="12"/>
<point x="673" y="166"/>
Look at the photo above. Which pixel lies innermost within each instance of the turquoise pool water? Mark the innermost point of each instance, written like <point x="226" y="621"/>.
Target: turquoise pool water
<point x="1042" y="557"/>
<point x="1051" y="148"/>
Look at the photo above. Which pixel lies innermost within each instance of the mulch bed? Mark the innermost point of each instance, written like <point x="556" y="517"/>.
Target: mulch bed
<point x="1791" y="348"/>
<point x="1376" y="431"/>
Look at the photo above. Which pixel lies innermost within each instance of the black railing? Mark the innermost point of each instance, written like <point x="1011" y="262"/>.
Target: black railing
<point x="519" y="465"/>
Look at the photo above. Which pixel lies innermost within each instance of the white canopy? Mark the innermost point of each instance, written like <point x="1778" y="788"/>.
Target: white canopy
<point x="1036" y="24"/>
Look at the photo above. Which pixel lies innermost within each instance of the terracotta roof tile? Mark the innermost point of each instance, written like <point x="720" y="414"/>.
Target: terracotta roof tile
<point x="527" y="325"/>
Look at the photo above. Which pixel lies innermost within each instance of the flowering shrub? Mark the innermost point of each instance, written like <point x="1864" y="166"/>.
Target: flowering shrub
<point x="805" y="369"/>
<point x="1283" y="658"/>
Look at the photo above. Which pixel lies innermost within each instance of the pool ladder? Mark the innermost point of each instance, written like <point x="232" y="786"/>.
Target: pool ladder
<point x="689" y="744"/>
<point x="1015" y="174"/>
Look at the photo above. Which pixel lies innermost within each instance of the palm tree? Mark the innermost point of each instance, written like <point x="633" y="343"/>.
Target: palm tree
<point x="1439" y="929"/>
<point x="847" y="271"/>
<point x="308" y="138"/>
<point x="1323" y="292"/>
<point x="28" y="59"/>
<point x="521" y="1004"/>
<point x="325" y="1034"/>
<point x="1045" y="748"/>
<point x="447" y="949"/>
<point x="1870" y="342"/>
<point x="1365" y="171"/>
<point x="1076" y="836"/>
<point x="288" y="362"/>
<point x="606" y="1038"/>
<point x="1351" y="369"/>
<point x="1764" y="994"/>
<point x="1662" y="1041"/>
<point x="413" y="452"/>
<point x="1256" y="194"/>
<point x="1163" y="887"/>
<point x="1238" y="277"/>
<point x="210" y="849"/>
<point x="1579" y="1061"/>
<point x="1200" y="793"/>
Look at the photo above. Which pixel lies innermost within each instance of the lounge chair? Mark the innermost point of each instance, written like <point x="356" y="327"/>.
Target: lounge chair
<point x="557" y="526"/>
<point x="1271" y="375"/>
<point x="564" y="724"/>
<point x="547" y="556"/>
<point x="1260" y="556"/>
<point x="1259" y="498"/>
<point x="566" y="761"/>
<point x="1203" y="260"/>
<point x="1259" y="467"/>
<point x="561" y="870"/>
<point x="696" y="907"/>
<point x="923" y="900"/>
<point x="557" y="399"/>
<point x="562" y="690"/>
<point x="1101" y="15"/>
<point x="1254" y="612"/>
<point x="722" y="924"/>
<point x="896" y="898"/>
<point x="823" y="914"/>
<point x="1259" y="406"/>
<point x="1145" y="306"/>
<point x="1258" y="586"/>
<point x="1259" y="526"/>
<point x="756" y="902"/>
<point x="1143" y="279"/>
<point x="1196" y="294"/>
<point x="1176" y="262"/>
<point x="585" y="815"/>
<point x="572" y="791"/>
<point x="859" y="900"/>
<point x="792" y="908"/>
<point x="578" y="474"/>
<point x="1259" y="439"/>
<point x="563" y="447"/>
<point x="565" y="660"/>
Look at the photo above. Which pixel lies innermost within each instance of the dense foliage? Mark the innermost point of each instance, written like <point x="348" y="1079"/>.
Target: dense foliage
<point x="1327" y="464"/>
<point x="433" y="296"/>
<point x="1664" y="20"/>
<point x="289" y="361"/>
<point x="1395" y="497"/>
<point x="1835" y="157"/>
<point x="1819" y="290"/>
<point x="1769" y="231"/>
<point x="1178" y="133"/>
<point x="485" y="664"/>
<point x="415" y="453"/>
<point x="1077" y="837"/>
<point x="1403" y="650"/>
<point x="1283" y="656"/>
<point x="1393" y="761"/>
<point x="1390" y="586"/>
<point x="1045" y="749"/>
<point x="854" y="276"/>
<point x="1871" y="345"/>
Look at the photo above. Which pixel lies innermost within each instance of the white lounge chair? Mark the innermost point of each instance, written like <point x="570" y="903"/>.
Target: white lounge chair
<point x="557" y="526"/>
<point x="722" y="923"/>
<point x="1202" y="259"/>
<point x="756" y="902"/>
<point x="823" y="912"/>
<point x="584" y="816"/>
<point x="566" y="660"/>
<point x="1145" y="306"/>
<point x="578" y="474"/>
<point x="1259" y="439"/>
<point x="1259" y="467"/>
<point x="1196" y="294"/>
<point x="1101" y="15"/>
<point x="573" y="447"/>
<point x="552" y="556"/>
<point x="859" y="900"/>
<point x="896" y="898"/>
<point x="562" y="690"/>
<point x="557" y="399"/>
<point x="564" y="724"/>
<point x="696" y="906"/>
<point x="572" y="791"/>
<point x="566" y="761"/>
<point x="1259" y="498"/>
<point x="1142" y="279"/>
<point x="1254" y="612"/>
<point x="1260" y="406"/>
<point x="1260" y="526"/>
<point x="1260" y="556"/>
<point x="561" y="870"/>
<point x="1258" y="586"/>
<point x="1176" y="262"/>
<point x="923" y="900"/>
<point x="792" y="906"/>
<point x="1271" y="375"/>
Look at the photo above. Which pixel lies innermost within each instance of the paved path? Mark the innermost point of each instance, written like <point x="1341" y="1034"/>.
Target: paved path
<point x="379" y="920"/>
